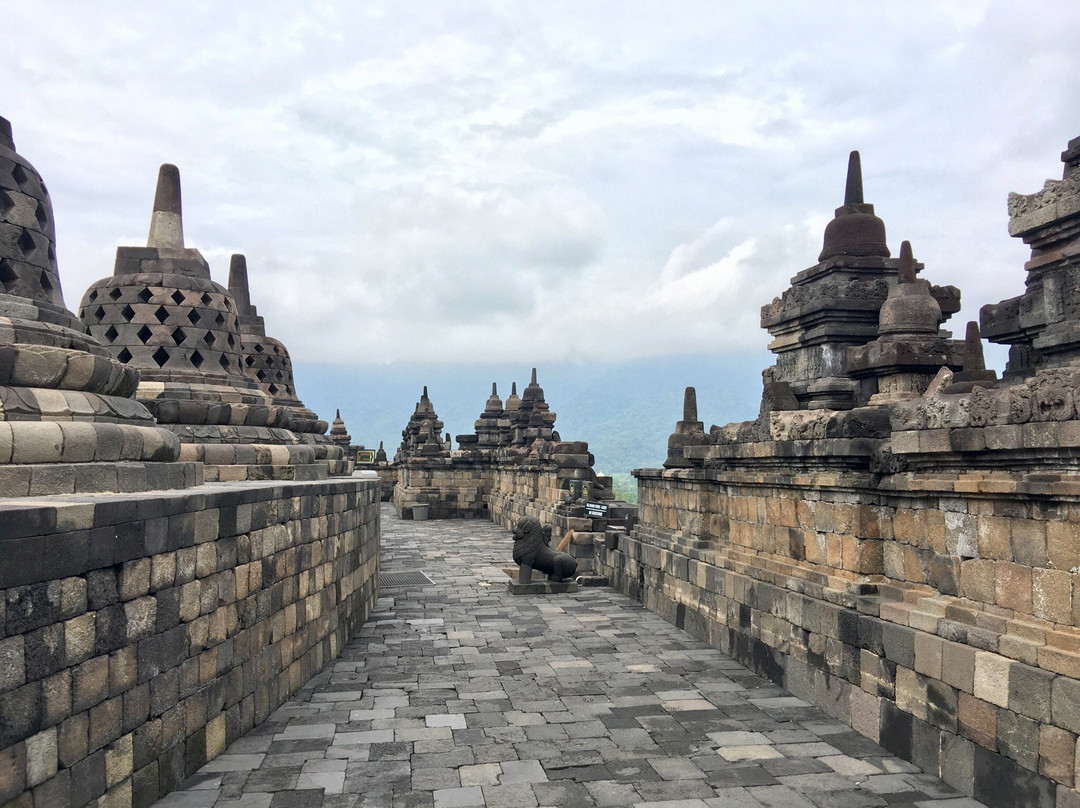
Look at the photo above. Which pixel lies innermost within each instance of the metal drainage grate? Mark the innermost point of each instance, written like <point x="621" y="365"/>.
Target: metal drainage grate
<point x="398" y="580"/>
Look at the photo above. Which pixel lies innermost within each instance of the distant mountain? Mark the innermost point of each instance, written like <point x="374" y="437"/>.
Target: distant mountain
<point x="625" y="410"/>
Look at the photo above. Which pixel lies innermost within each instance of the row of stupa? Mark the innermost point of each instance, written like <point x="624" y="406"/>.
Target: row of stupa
<point x="162" y="364"/>
<point x="514" y="427"/>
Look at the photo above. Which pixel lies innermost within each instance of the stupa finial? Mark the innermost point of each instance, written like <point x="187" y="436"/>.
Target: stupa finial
<point x="238" y="283"/>
<point x="689" y="407"/>
<point x="167" y="220"/>
<point x="853" y="192"/>
<point x="907" y="263"/>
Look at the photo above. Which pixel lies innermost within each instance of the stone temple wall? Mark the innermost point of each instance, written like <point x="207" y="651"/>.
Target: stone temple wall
<point x="897" y="538"/>
<point x="139" y="635"/>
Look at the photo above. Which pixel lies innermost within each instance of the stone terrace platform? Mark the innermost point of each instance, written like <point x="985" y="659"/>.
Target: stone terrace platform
<point x="457" y="693"/>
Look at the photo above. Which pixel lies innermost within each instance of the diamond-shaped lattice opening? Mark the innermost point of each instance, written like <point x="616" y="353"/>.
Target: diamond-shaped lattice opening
<point x="193" y="317"/>
<point x="272" y="389"/>
<point x="93" y="296"/>
<point x="52" y="254"/>
<point x="7" y="275"/>
<point x="112" y="334"/>
<point x="249" y="360"/>
<point x="19" y="175"/>
<point x="210" y="339"/>
<point x="145" y="295"/>
<point x="261" y="375"/>
<point x="288" y="390"/>
<point x="46" y="284"/>
<point x="277" y="350"/>
<point x="115" y="293"/>
<point x="232" y="341"/>
<point x="279" y="376"/>
<point x="196" y="359"/>
<point x="5" y="204"/>
<point x="177" y="297"/>
<point x="161" y="356"/>
<point x="127" y="313"/>
<point x="270" y="361"/>
<point x="162" y="314"/>
<point x="124" y="355"/>
<point x="224" y="362"/>
<point x="258" y="347"/>
<point x="41" y="215"/>
<point x="144" y="334"/>
<point x="26" y="243"/>
<point x="178" y="335"/>
<point x="220" y="319"/>
<point x="206" y="299"/>
<point x="99" y="312"/>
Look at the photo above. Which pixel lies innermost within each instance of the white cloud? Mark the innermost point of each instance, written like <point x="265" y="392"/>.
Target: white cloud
<point x="527" y="183"/>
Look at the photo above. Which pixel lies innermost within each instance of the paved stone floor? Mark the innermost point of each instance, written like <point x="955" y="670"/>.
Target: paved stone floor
<point x="461" y="694"/>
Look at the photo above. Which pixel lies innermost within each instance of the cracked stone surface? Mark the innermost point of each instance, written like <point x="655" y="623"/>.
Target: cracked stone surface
<point x="459" y="693"/>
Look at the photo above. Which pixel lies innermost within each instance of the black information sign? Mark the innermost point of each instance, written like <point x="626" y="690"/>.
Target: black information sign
<point x="596" y="510"/>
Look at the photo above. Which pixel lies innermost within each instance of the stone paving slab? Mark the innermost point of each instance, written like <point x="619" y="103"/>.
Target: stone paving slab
<point x="460" y="694"/>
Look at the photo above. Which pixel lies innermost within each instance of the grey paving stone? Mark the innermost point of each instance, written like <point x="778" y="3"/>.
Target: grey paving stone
<point x="461" y="694"/>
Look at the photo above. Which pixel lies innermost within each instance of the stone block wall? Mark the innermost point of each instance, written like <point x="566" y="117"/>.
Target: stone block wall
<point x="933" y="613"/>
<point x="142" y="633"/>
<point x="451" y="491"/>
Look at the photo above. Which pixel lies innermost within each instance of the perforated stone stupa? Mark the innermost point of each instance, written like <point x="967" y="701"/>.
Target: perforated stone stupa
<point x="66" y="412"/>
<point x="422" y="436"/>
<point x="161" y="314"/>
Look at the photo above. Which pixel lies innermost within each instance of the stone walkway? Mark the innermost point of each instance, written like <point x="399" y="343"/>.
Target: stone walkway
<point x="460" y="694"/>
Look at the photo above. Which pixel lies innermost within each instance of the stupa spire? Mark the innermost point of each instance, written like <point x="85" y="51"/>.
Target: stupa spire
<point x="853" y="193"/>
<point x="167" y="220"/>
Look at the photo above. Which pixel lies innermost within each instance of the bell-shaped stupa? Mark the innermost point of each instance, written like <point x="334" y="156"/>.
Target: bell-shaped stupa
<point x="68" y="422"/>
<point x="162" y="314"/>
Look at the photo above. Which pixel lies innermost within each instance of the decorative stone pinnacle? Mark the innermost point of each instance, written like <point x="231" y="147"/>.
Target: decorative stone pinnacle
<point x="853" y="192"/>
<point x="907" y="263"/>
<point x="973" y="348"/>
<point x="338" y="413"/>
<point x="238" y="283"/>
<point x="689" y="407"/>
<point x="167" y="221"/>
<point x="423" y="396"/>
<point x="513" y="388"/>
<point x="494" y="389"/>
<point x="6" y="139"/>
<point x="533" y="381"/>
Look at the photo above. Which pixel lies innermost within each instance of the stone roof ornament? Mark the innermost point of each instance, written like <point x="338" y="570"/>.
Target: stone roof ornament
<point x="167" y="219"/>
<point x="688" y="432"/>
<point x="855" y="230"/>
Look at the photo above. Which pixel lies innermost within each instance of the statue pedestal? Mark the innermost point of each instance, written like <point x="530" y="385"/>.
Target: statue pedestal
<point x="520" y="584"/>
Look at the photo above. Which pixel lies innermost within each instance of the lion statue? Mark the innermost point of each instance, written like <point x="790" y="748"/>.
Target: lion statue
<point x="532" y="550"/>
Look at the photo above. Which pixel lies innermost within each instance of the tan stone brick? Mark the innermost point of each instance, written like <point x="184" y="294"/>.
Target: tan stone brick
<point x="12" y="772"/>
<point x="1028" y="541"/>
<point x="1051" y="595"/>
<point x="41" y="757"/>
<point x="911" y="692"/>
<point x="117" y="797"/>
<point x="12" y="663"/>
<point x="141" y="616"/>
<point x="993" y="537"/>
<point x="90" y="683"/>
<point x="134" y="579"/>
<point x="928" y="653"/>
<point x="977" y="580"/>
<point x="904" y="528"/>
<point x="162" y="571"/>
<point x="1025" y="650"/>
<point x="1012" y="586"/>
<point x="992" y="678"/>
<point x="190" y="601"/>
<point x="72" y="597"/>
<point x="1063" y="545"/>
<point x="1057" y="754"/>
<point x="977" y="720"/>
<point x="215" y="737"/>
<point x="1059" y="660"/>
<point x="958" y="665"/>
<point x="79" y="633"/>
<point x="118" y="760"/>
<point x="206" y="560"/>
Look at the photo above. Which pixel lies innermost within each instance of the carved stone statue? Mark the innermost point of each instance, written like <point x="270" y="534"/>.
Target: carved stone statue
<point x="532" y="550"/>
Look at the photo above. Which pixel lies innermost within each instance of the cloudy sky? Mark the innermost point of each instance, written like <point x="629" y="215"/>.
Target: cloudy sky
<point x="528" y="182"/>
